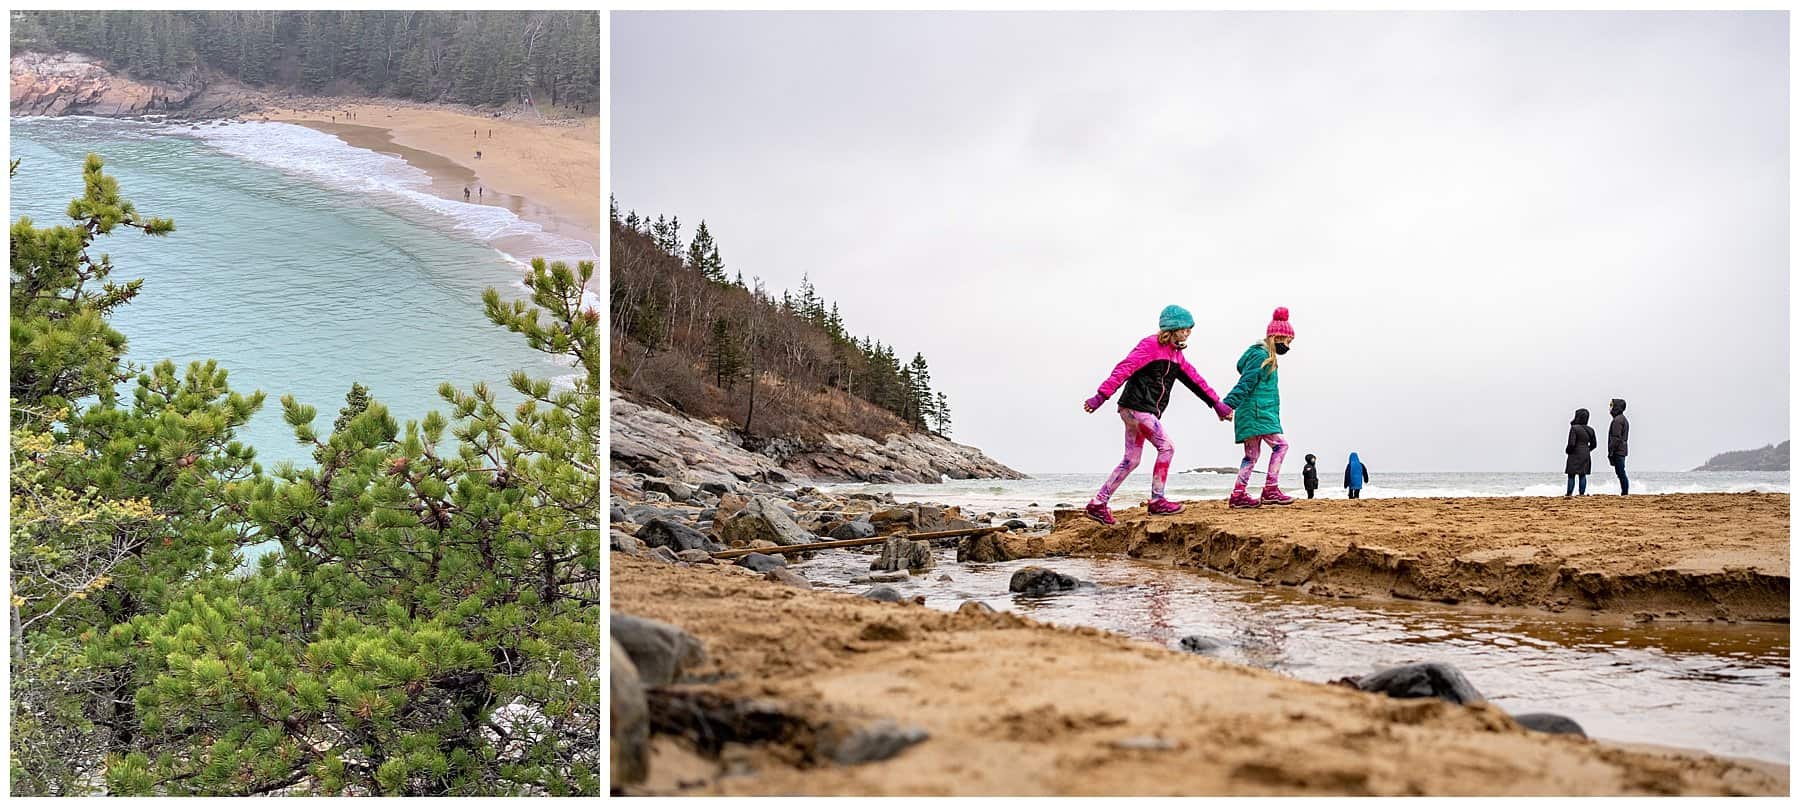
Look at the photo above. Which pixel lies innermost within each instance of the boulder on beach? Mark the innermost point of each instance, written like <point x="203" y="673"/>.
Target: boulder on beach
<point x="1201" y="645"/>
<point x="695" y="556"/>
<point x="664" y="554"/>
<point x="871" y="743"/>
<point x="975" y="607"/>
<point x="1426" y="680"/>
<point x="661" y="652"/>
<point x="761" y="562"/>
<point x="882" y="594"/>
<point x="676" y="535"/>
<point x="675" y="490"/>
<point x="860" y="528"/>
<point x="763" y="519"/>
<point x="1039" y="580"/>
<point x="1549" y="723"/>
<point x="628" y="722"/>
<point x="901" y="554"/>
<point x="782" y="574"/>
<point x="984" y="548"/>
<point x="623" y="542"/>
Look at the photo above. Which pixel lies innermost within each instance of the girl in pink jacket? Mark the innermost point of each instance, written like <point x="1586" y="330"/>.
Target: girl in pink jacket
<point x="1149" y="375"/>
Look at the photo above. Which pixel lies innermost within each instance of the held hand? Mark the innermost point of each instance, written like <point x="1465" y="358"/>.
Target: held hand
<point x="1224" y="411"/>
<point x="1093" y="403"/>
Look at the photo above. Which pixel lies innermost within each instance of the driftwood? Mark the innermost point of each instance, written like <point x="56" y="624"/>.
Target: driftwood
<point x="848" y="542"/>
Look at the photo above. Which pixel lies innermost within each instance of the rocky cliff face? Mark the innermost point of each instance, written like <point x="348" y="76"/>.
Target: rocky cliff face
<point x="650" y="441"/>
<point x="73" y="84"/>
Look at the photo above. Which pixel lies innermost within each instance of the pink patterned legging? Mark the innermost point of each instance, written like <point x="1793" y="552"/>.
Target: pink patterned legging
<point x="1252" y="451"/>
<point x="1138" y="427"/>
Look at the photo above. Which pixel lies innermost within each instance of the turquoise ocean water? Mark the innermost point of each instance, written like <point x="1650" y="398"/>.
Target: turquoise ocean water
<point x="299" y="263"/>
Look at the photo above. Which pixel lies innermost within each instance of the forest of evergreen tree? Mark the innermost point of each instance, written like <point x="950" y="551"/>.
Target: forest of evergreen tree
<point x="472" y="57"/>
<point x="690" y="335"/>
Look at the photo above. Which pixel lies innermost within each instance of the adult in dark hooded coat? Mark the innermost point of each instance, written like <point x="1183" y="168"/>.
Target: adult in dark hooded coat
<point x="1616" y="437"/>
<point x="1582" y="442"/>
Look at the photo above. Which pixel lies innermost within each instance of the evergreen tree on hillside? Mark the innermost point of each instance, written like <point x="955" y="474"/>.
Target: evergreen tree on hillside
<point x="942" y="414"/>
<point x="703" y="256"/>
<point x="727" y="361"/>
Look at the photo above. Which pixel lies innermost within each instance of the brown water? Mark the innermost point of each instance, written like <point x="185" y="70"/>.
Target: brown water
<point x="1720" y="688"/>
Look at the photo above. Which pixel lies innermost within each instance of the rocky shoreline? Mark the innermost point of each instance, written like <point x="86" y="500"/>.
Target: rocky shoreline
<point x="650" y="441"/>
<point x="58" y="84"/>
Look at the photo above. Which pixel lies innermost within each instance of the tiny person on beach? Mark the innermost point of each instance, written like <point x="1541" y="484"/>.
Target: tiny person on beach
<point x="1356" y="474"/>
<point x="1147" y="374"/>
<point x="1309" y="475"/>
<point x="1257" y="401"/>
<point x="1582" y="442"/>
<point x="1618" y="436"/>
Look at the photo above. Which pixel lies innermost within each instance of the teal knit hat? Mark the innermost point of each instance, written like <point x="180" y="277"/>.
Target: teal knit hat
<point x="1174" y="318"/>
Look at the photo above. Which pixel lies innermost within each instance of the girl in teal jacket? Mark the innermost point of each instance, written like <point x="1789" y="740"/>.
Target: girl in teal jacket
<point x="1256" y="401"/>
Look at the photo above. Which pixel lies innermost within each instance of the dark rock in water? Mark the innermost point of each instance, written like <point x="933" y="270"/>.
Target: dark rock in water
<point x="1549" y="723"/>
<point x="677" y="536"/>
<point x="1202" y="645"/>
<point x="896" y="576"/>
<point x="872" y="743"/>
<point x="664" y="554"/>
<point x="695" y="556"/>
<point x="676" y="491"/>
<point x="759" y="562"/>
<point x="901" y="554"/>
<point x="659" y="650"/>
<point x="1015" y="524"/>
<point x="618" y="514"/>
<point x="1427" y="680"/>
<point x="860" y="528"/>
<point x="782" y="574"/>
<point x="882" y="594"/>
<point x="975" y="607"/>
<point x="629" y="722"/>
<point x="985" y="548"/>
<point x="1039" y="580"/>
<point x="944" y="578"/>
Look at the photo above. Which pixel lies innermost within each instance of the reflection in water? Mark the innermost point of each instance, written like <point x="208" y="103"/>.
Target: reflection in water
<point x="1723" y="689"/>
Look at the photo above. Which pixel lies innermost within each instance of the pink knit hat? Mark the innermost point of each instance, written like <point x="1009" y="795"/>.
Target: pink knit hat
<point x="1279" y="325"/>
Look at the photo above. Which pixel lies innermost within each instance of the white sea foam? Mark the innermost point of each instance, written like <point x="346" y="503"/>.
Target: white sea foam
<point x="324" y="159"/>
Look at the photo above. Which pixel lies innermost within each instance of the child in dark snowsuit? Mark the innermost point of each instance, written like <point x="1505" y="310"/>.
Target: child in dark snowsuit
<point x="1310" y="475"/>
<point x="1355" y="475"/>
<point x="1149" y="374"/>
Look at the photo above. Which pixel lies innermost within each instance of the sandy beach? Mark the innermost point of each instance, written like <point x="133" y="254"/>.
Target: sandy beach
<point x="1684" y="557"/>
<point x="547" y="172"/>
<point x="1016" y="707"/>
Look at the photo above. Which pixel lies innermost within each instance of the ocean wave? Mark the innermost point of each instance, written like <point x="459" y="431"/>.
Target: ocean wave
<point x="327" y="160"/>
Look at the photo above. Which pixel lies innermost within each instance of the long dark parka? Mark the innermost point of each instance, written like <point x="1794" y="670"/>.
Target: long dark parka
<point x="1582" y="441"/>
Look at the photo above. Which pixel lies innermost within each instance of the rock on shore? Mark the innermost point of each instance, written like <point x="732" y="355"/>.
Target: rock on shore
<point x="650" y="441"/>
<point x="74" y="84"/>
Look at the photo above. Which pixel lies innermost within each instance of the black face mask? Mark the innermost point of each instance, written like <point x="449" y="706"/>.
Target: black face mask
<point x="1281" y="349"/>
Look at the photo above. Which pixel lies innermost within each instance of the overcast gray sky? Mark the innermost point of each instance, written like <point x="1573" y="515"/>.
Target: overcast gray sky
<point x="1480" y="221"/>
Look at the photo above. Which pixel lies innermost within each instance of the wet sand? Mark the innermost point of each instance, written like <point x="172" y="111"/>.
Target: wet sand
<point x="1016" y="707"/>
<point x="1686" y="557"/>
<point x="547" y="173"/>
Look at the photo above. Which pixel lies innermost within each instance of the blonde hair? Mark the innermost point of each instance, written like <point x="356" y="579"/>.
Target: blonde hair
<point x="1165" y="338"/>
<point x="1269" y="345"/>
